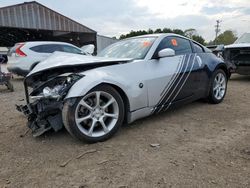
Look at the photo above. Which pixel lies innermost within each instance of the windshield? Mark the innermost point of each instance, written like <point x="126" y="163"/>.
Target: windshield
<point x="136" y="48"/>
<point x="245" y="38"/>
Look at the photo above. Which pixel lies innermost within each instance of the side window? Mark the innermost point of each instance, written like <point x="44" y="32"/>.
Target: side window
<point x="47" y="48"/>
<point x="179" y="45"/>
<point x="197" y="48"/>
<point x="70" y="49"/>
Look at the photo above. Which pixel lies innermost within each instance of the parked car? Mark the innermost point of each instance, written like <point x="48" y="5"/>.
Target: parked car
<point x="131" y="79"/>
<point x="239" y="54"/>
<point x="23" y="57"/>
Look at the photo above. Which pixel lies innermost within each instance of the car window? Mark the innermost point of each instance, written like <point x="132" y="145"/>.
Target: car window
<point x="70" y="49"/>
<point x="197" y="48"/>
<point x="179" y="45"/>
<point x="135" y="48"/>
<point x="46" y="48"/>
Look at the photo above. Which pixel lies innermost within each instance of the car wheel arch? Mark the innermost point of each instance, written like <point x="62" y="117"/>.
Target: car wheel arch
<point x="121" y="91"/>
<point x="224" y="68"/>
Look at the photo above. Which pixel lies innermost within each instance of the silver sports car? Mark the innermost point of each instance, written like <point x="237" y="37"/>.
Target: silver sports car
<point x="93" y="96"/>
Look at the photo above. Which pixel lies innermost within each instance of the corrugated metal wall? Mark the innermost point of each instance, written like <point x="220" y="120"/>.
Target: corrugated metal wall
<point x="33" y="15"/>
<point x="103" y="42"/>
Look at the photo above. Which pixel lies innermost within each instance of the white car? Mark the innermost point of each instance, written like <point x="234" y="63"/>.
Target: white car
<point x="23" y="57"/>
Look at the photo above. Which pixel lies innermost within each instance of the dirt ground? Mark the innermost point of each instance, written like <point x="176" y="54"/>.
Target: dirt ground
<point x="201" y="145"/>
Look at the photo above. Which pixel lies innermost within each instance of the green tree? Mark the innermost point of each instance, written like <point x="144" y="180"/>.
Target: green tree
<point x="228" y="37"/>
<point x="199" y="39"/>
<point x="179" y="32"/>
<point x="167" y="30"/>
<point x="158" y="31"/>
<point x="190" y="32"/>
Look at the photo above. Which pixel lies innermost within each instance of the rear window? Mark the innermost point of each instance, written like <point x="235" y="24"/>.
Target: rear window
<point x="46" y="48"/>
<point x="197" y="48"/>
<point x="70" y="49"/>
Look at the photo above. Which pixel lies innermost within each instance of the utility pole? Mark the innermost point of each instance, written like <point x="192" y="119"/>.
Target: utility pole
<point x="217" y="29"/>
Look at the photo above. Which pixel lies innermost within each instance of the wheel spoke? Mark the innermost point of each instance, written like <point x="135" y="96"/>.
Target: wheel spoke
<point x="217" y="93"/>
<point x="222" y="80"/>
<point x="216" y="87"/>
<point x="92" y="127"/>
<point x="111" y="101"/>
<point x="115" y="116"/>
<point x="105" y="128"/>
<point x="98" y="94"/>
<point x="79" y="120"/>
<point x="83" y="103"/>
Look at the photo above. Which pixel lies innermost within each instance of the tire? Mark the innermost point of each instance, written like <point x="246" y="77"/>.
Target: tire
<point x="218" y="89"/>
<point x="100" y="122"/>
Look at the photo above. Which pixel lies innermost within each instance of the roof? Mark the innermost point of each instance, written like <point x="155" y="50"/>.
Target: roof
<point x="33" y="15"/>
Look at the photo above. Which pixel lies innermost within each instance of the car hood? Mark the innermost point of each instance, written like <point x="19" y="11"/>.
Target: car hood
<point x="60" y="62"/>
<point x="61" y="59"/>
<point x="240" y="45"/>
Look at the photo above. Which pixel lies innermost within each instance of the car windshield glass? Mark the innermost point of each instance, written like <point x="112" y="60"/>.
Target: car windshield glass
<point x="135" y="48"/>
<point x="245" y="38"/>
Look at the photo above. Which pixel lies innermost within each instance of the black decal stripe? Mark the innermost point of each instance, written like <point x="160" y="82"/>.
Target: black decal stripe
<point x="173" y="78"/>
<point x="170" y="83"/>
<point x="174" y="84"/>
<point x="184" y="82"/>
<point x="177" y="85"/>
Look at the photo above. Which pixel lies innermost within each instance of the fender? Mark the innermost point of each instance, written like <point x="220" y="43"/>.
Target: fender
<point x="137" y="97"/>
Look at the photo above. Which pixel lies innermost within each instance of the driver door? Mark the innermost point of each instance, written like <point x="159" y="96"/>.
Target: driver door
<point x="169" y="74"/>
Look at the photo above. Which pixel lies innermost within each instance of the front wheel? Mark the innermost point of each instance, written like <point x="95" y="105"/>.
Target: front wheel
<point x="95" y="117"/>
<point x="218" y="87"/>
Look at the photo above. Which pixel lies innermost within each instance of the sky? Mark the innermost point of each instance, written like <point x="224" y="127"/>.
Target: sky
<point x="116" y="17"/>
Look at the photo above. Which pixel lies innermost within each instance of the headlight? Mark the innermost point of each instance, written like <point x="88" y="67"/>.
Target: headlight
<point x="54" y="93"/>
<point x="56" y="88"/>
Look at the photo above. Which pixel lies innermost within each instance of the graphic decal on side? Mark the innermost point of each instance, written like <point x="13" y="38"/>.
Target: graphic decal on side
<point x="176" y="84"/>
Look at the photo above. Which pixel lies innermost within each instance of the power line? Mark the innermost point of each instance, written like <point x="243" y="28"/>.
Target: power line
<point x="217" y="29"/>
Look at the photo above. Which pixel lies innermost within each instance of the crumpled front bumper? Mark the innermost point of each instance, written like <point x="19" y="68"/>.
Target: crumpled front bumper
<point x="43" y="115"/>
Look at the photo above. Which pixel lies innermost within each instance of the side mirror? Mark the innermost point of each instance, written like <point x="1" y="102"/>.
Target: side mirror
<point x="167" y="52"/>
<point x="88" y="49"/>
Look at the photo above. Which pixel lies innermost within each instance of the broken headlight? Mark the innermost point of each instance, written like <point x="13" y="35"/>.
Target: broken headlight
<point x="55" y="88"/>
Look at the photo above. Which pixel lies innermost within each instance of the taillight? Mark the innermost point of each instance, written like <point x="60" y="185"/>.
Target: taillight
<point x="19" y="52"/>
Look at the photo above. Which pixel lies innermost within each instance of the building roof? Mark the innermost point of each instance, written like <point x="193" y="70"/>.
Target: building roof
<point x="33" y="15"/>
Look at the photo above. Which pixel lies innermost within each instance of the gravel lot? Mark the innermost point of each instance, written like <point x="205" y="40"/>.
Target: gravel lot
<point x="201" y="145"/>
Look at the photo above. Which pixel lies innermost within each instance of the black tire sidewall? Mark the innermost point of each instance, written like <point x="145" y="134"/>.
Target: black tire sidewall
<point x="212" y="98"/>
<point x="71" y="116"/>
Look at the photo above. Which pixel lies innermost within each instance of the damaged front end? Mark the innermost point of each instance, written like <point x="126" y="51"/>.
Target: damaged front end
<point x="45" y="102"/>
<point x="240" y="58"/>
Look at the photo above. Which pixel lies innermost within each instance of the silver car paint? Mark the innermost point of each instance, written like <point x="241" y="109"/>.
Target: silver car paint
<point x="154" y="74"/>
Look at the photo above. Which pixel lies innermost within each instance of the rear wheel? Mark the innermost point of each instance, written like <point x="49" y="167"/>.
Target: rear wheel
<point x="218" y="87"/>
<point x="95" y="117"/>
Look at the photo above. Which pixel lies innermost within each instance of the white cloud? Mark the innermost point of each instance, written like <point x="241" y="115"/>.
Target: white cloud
<point x="113" y="18"/>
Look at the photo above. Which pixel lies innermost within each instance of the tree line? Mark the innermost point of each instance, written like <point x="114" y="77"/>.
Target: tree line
<point x="227" y="37"/>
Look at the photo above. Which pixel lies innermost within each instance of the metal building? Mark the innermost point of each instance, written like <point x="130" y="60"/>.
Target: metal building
<point x="103" y="42"/>
<point x="32" y="21"/>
